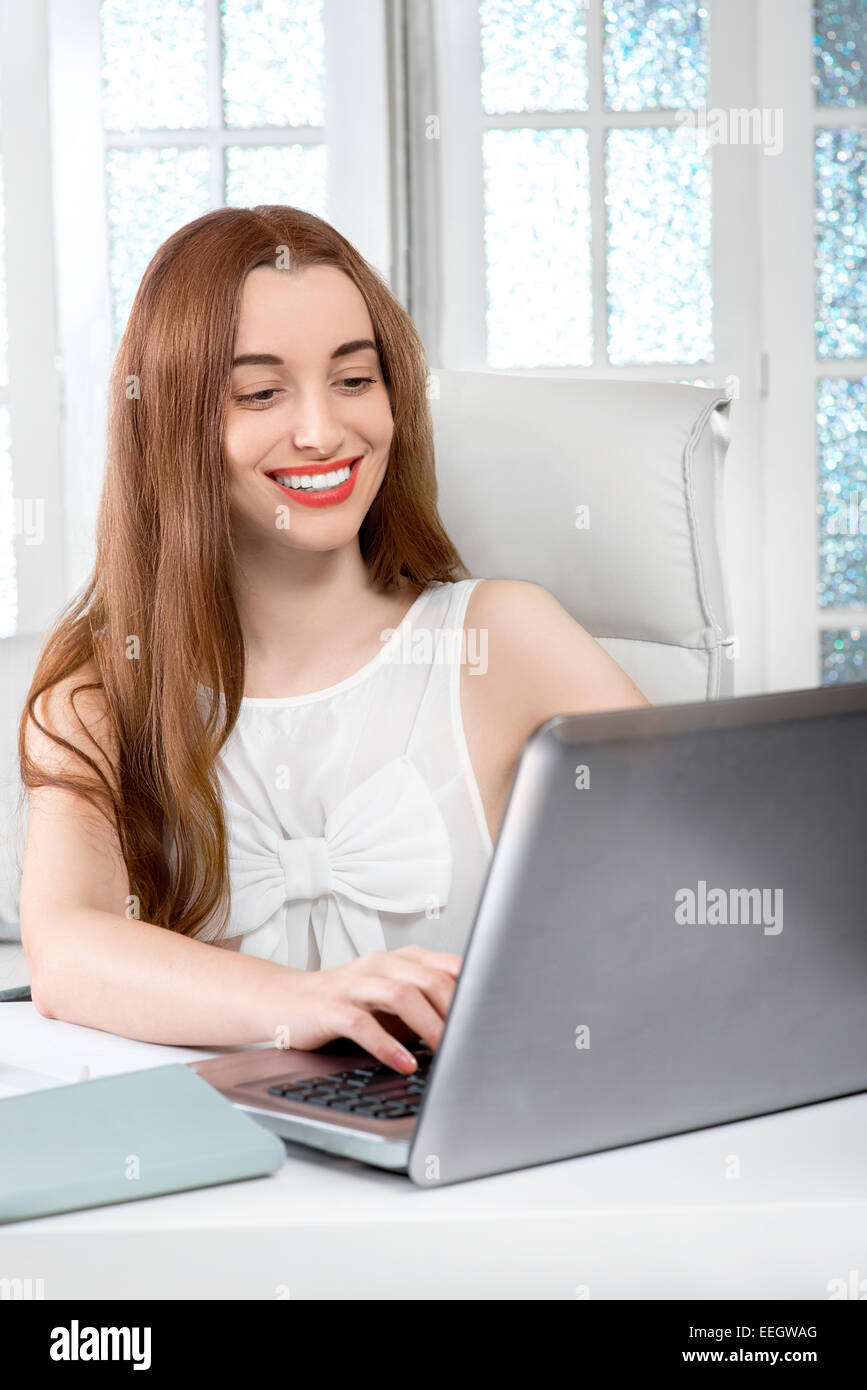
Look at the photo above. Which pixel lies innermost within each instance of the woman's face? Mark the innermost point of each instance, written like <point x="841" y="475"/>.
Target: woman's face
<point x="316" y="411"/>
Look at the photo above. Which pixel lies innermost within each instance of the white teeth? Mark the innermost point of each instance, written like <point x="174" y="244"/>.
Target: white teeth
<point x="318" y="482"/>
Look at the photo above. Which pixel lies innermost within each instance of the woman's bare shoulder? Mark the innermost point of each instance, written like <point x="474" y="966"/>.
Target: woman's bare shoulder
<point x="540" y="660"/>
<point x="74" y="709"/>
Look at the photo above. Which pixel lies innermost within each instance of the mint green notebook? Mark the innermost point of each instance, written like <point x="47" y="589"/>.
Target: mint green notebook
<point x="121" y="1138"/>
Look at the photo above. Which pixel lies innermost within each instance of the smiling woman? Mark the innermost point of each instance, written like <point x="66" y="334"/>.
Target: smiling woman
<point x="254" y="767"/>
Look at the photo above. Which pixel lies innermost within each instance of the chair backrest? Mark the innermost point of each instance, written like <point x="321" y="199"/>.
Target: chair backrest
<point x="608" y="494"/>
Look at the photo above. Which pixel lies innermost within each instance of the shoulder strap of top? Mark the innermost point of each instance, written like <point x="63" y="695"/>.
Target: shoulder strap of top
<point x="460" y="597"/>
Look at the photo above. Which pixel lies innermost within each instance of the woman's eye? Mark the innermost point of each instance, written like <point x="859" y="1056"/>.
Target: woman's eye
<point x="357" y="383"/>
<point x="256" y="397"/>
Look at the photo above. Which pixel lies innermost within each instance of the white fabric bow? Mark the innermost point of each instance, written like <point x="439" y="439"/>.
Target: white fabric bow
<point x="385" y="846"/>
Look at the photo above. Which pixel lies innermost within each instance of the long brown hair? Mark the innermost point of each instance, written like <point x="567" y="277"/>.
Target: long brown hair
<point x="161" y="587"/>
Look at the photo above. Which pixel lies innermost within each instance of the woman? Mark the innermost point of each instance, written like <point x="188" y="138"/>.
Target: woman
<point x="253" y="710"/>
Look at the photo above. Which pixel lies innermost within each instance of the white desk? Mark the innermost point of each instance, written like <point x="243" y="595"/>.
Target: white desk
<point x="656" y="1220"/>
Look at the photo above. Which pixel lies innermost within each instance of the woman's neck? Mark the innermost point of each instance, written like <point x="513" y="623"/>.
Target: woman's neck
<point x="310" y="619"/>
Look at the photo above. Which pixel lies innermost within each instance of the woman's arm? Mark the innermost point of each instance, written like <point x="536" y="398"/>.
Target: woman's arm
<point x="540" y="663"/>
<point x="91" y="964"/>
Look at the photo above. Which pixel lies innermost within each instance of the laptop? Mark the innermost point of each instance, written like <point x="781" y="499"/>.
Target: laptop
<point x="671" y="934"/>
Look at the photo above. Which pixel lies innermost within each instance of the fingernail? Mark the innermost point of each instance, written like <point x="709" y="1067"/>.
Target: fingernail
<point x="401" y="1055"/>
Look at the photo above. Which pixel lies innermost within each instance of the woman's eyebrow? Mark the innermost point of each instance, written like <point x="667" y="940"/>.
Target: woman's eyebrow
<point x="268" y="359"/>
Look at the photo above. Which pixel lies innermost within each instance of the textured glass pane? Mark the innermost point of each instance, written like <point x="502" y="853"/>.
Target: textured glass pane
<point x="655" y="54"/>
<point x="153" y="65"/>
<point x="293" y="174"/>
<point x="843" y="656"/>
<point x="840" y="52"/>
<point x="534" y="57"/>
<point x="274" y="62"/>
<point x="151" y="192"/>
<point x="658" y="196"/>
<point x="537" y="242"/>
<point x="842" y="500"/>
<point x="841" y="243"/>
<point x="4" y="332"/>
<point x="8" y="584"/>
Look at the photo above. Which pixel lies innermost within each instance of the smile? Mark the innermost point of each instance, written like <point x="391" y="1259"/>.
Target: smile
<point x="318" y="485"/>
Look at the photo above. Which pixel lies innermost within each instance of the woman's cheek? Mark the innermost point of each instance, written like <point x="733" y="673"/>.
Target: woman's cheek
<point x="244" y="443"/>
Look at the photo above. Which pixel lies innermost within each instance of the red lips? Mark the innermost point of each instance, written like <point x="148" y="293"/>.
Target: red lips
<point x="311" y="469"/>
<point x="327" y="497"/>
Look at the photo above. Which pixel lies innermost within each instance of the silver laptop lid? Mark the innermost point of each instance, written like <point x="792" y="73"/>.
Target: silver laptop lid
<point x="672" y="933"/>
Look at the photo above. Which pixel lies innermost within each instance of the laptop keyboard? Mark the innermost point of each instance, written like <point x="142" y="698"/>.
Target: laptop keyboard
<point x="377" y="1092"/>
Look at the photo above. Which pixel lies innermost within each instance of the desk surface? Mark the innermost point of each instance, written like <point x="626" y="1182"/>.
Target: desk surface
<point x="774" y="1207"/>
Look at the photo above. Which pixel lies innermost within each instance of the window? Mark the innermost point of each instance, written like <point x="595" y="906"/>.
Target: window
<point x="193" y="121"/>
<point x="578" y="185"/>
<point x="840" y="84"/>
<point x="579" y="215"/>
<point x="815" y="291"/>
<point x="657" y="300"/>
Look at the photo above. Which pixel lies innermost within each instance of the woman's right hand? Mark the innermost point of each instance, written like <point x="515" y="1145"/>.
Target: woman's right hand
<point x="412" y="984"/>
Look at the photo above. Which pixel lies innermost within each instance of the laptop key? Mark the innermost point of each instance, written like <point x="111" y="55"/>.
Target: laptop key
<point x="387" y="1088"/>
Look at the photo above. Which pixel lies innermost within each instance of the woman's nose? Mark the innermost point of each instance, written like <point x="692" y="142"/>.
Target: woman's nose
<point x="315" y="423"/>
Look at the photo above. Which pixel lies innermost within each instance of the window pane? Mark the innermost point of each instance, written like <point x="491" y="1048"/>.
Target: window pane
<point x="8" y="581"/>
<point x="274" y="62"/>
<point x="153" y="65"/>
<point x="534" y="57"/>
<point x="841" y="243"/>
<point x="842" y="501"/>
<point x="842" y="656"/>
<point x="293" y="174"/>
<point x="658" y="195"/>
<point x="151" y="192"/>
<point x="539" y="286"/>
<point x="655" y="54"/>
<point x="840" y="52"/>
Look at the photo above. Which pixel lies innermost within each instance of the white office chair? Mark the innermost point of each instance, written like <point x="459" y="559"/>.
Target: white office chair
<point x="607" y="493"/>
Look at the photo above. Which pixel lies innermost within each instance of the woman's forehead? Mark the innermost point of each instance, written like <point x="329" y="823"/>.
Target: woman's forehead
<point x="319" y="301"/>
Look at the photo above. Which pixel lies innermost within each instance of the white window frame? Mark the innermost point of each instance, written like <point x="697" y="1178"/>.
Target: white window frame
<point x="32" y="395"/>
<point x="358" y="201"/>
<point x="452" y="321"/>
<point x="791" y="552"/>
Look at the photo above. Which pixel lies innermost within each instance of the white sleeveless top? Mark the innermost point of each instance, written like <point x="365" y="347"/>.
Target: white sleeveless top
<point x="354" y="817"/>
